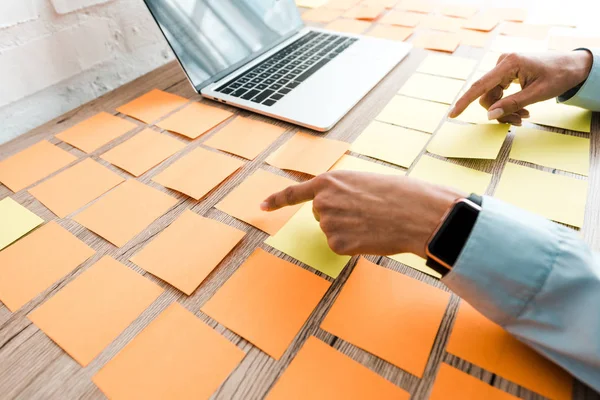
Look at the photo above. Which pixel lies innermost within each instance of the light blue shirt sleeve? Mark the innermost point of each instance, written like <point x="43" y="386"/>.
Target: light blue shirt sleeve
<point x="536" y="279"/>
<point x="588" y="95"/>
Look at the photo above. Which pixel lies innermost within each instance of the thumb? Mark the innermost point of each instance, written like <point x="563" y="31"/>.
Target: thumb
<point x="515" y="102"/>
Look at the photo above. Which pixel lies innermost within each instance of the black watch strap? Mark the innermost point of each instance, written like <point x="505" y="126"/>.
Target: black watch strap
<point x="437" y="267"/>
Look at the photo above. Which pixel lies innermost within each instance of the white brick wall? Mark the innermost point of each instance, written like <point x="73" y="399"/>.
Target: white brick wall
<point x="58" y="54"/>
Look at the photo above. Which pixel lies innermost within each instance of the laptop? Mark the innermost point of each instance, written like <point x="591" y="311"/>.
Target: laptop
<point x="258" y="55"/>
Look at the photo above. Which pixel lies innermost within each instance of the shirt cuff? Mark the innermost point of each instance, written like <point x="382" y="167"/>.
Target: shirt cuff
<point x="587" y="95"/>
<point x="505" y="261"/>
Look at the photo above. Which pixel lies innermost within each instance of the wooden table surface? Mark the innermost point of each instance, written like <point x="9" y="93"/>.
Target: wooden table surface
<point x="32" y="366"/>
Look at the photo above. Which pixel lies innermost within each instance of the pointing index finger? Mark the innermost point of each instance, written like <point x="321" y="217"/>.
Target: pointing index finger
<point x="489" y="81"/>
<point x="290" y="196"/>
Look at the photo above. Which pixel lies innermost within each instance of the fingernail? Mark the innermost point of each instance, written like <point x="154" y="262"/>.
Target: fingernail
<point x="495" y="113"/>
<point x="264" y="206"/>
<point x="451" y="113"/>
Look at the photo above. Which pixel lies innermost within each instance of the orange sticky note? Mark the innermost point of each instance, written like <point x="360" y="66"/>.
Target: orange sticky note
<point x="442" y="23"/>
<point x="187" y="251"/>
<point x="125" y="211"/>
<point x="245" y="137"/>
<point x="389" y="314"/>
<point x="510" y="14"/>
<point x="400" y="33"/>
<point x="142" y="152"/>
<point x="348" y="26"/>
<point x="90" y="312"/>
<point x="341" y="4"/>
<point x="460" y="11"/>
<point x="308" y="153"/>
<point x="453" y="384"/>
<point x="402" y="18"/>
<point x="482" y="22"/>
<point x="365" y="12"/>
<point x="198" y="172"/>
<point x="321" y="14"/>
<point x="243" y="202"/>
<point x="194" y="120"/>
<point x="76" y="186"/>
<point x="482" y="342"/>
<point x="95" y="132"/>
<point x="32" y="164"/>
<point x="380" y="3"/>
<point x="34" y="263"/>
<point x="539" y="32"/>
<point x="152" y="105"/>
<point x="473" y="38"/>
<point x="421" y="6"/>
<point x="177" y="356"/>
<point x="267" y="301"/>
<point x="321" y="372"/>
<point x="447" y="42"/>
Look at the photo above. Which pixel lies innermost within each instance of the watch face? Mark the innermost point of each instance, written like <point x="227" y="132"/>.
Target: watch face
<point x="453" y="233"/>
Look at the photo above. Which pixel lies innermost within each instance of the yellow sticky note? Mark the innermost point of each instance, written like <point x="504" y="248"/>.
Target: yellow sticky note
<point x="450" y="67"/>
<point x="390" y="143"/>
<point x="489" y="61"/>
<point x="433" y="88"/>
<point x="17" y="221"/>
<point x="415" y="262"/>
<point x="556" y="197"/>
<point x="469" y="141"/>
<point x="75" y="187"/>
<point x="550" y="149"/>
<point x="348" y="26"/>
<point x="349" y="163"/>
<point x="444" y="173"/>
<point x="413" y="113"/>
<point x="177" y="356"/>
<point x="91" y="311"/>
<point x="303" y="239"/>
<point x="551" y="113"/>
<point x="308" y="153"/>
<point x="95" y="132"/>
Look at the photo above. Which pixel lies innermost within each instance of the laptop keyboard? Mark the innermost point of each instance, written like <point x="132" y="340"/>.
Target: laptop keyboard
<point x="269" y="81"/>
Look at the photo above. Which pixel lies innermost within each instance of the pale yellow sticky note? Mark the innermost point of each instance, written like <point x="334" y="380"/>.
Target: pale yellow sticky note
<point x="433" y="88"/>
<point x="469" y="141"/>
<point x="391" y="143"/>
<point x="17" y="221"/>
<point x="556" y="197"/>
<point x="475" y="113"/>
<point x="349" y="163"/>
<point x="550" y="149"/>
<point x="413" y="113"/>
<point x="303" y="239"/>
<point x="551" y="113"/>
<point x="417" y="263"/>
<point x="513" y="44"/>
<point x="489" y="61"/>
<point x="447" y="66"/>
<point x="444" y="173"/>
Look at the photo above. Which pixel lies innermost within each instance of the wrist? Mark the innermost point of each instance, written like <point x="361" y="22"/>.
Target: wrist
<point x="583" y="61"/>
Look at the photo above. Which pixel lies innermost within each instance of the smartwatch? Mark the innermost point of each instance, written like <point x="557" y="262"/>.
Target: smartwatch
<point x="450" y="237"/>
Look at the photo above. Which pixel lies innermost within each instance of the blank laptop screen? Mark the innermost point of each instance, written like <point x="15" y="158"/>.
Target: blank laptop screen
<point x="211" y="38"/>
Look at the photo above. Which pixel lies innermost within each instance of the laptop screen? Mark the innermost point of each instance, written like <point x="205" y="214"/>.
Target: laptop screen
<point x="211" y="38"/>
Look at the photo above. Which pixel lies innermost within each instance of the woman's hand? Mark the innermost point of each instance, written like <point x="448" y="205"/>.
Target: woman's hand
<point x="364" y="213"/>
<point x="542" y="77"/>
